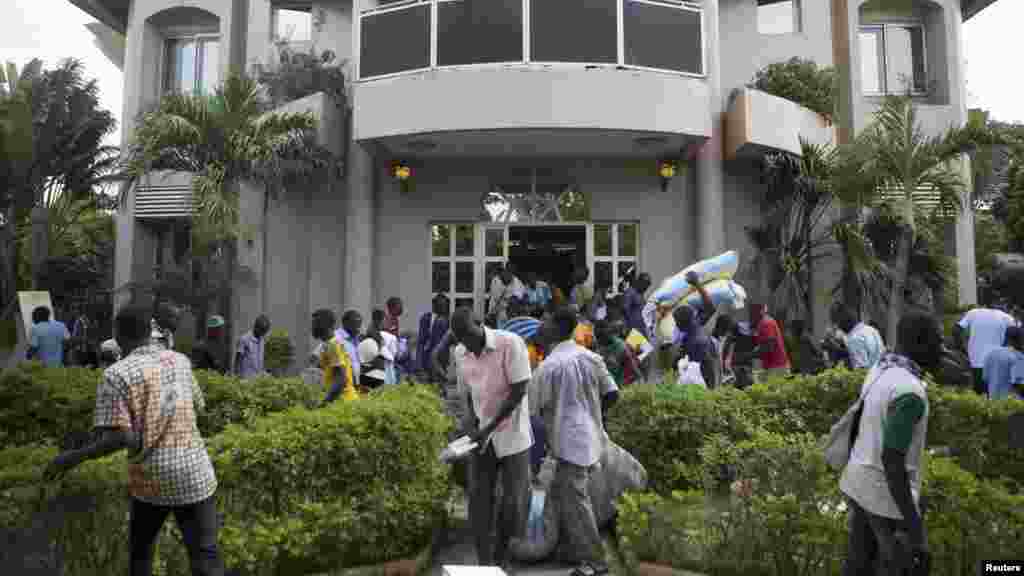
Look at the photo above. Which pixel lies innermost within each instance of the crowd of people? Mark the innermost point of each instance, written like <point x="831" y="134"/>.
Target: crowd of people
<point x="537" y="376"/>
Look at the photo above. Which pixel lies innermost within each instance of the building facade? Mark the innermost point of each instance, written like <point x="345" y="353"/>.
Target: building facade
<point x="535" y="131"/>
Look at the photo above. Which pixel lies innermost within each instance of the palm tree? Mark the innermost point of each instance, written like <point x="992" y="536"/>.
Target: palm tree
<point x="800" y="229"/>
<point x="223" y="140"/>
<point x="902" y="158"/>
<point x="16" y="158"/>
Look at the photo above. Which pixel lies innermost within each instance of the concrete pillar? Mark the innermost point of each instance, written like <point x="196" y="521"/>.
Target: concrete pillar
<point x="709" y="221"/>
<point x="360" y="218"/>
<point x="967" y="269"/>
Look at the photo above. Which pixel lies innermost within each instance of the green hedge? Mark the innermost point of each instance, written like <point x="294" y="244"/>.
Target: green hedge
<point x="47" y="405"/>
<point x="785" y="516"/>
<point x="301" y="491"/>
<point x="665" y="426"/>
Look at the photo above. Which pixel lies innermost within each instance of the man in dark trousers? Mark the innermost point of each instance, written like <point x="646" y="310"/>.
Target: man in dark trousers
<point x="882" y="480"/>
<point x="493" y="371"/>
<point x="169" y="468"/>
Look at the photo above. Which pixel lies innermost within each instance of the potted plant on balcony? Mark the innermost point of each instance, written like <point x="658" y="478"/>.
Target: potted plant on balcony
<point x="297" y="74"/>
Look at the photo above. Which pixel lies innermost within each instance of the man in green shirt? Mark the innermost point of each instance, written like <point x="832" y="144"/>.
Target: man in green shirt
<point x="613" y="350"/>
<point x="883" y="477"/>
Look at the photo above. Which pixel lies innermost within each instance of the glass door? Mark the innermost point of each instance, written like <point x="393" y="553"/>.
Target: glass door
<point x="494" y="254"/>
<point x="453" y="262"/>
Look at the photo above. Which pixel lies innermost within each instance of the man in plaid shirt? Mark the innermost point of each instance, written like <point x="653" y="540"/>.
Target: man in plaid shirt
<point x="147" y="404"/>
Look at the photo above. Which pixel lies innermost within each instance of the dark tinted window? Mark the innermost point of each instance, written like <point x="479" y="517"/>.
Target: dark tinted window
<point x="574" y="31"/>
<point x="662" y="37"/>
<point x="395" y="41"/>
<point x="479" y="31"/>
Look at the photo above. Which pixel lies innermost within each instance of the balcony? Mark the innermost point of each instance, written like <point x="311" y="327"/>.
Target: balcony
<point x="758" y="122"/>
<point x="465" y="66"/>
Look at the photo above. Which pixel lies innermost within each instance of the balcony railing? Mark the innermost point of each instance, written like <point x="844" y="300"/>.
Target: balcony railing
<point x="414" y="35"/>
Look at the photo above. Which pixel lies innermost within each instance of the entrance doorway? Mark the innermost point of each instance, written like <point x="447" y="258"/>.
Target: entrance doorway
<point x="551" y="252"/>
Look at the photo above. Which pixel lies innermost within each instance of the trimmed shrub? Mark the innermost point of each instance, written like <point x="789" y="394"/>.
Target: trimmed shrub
<point x="279" y="352"/>
<point x="664" y="427"/>
<point x="300" y="491"/>
<point x="969" y="520"/>
<point x="784" y="515"/>
<point x="56" y="405"/>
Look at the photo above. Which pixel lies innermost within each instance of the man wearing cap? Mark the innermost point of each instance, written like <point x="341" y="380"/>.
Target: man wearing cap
<point x="204" y="354"/>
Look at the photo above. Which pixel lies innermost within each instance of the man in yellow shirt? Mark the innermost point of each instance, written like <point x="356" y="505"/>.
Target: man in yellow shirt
<point x="334" y="361"/>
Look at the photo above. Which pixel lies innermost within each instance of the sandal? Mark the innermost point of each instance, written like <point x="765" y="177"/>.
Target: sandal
<point x="588" y="569"/>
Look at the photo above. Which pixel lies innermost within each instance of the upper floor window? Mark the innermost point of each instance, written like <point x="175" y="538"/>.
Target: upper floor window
<point x="293" y="24"/>
<point x="778" y="16"/>
<point x="892" y="59"/>
<point x="192" y="64"/>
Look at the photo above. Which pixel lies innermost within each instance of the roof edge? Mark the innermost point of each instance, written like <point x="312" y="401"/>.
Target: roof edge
<point x="98" y="10"/>
<point x="971" y="8"/>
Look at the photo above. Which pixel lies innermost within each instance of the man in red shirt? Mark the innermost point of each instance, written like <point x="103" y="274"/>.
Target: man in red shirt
<point x="771" y="348"/>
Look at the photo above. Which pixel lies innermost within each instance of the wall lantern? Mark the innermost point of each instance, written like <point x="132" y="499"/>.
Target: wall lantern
<point x="402" y="172"/>
<point x="666" y="172"/>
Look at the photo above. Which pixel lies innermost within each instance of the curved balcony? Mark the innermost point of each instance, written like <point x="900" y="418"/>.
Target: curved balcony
<point x="429" y="66"/>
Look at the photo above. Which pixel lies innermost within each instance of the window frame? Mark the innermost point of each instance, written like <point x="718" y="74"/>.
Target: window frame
<point x="797" y="20"/>
<point x="275" y="22"/>
<point x="884" y="28"/>
<point x="453" y="259"/>
<point x="197" y="37"/>
<point x="615" y="259"/>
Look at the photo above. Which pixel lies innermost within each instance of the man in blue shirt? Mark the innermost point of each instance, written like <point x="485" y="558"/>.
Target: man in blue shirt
<point x="633" y="304"/>
<point x="1004" y="367"/>
<point x="47" y="338"/>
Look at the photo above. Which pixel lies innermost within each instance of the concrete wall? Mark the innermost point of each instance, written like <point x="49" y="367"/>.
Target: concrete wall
<point x="450" y="190"/>
<point x="745" y="50"/>
<point x="294" y="262"/>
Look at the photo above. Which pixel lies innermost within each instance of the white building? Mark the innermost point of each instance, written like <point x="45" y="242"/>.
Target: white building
<point x="558" y="98"/>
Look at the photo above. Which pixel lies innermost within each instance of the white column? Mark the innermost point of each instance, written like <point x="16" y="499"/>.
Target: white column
<point x="709" y="216"/>
<point x="359" y="231"/>
<point x="967" y="269"/>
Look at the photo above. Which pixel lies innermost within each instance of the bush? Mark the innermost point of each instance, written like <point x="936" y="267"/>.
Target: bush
<point x="301" y="491"/>
<point x="784" y="516"/>
<point x="800" y="81"/>
<point x="969" y="520"/>
<point x="56" y="405"/>
<point x="664" y="427"/>
<point x="279" y="352"/>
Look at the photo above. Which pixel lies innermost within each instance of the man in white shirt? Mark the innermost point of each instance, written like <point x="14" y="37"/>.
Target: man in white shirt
<point x="985" y="329"/>
<point x="882" y="479"/>
<point x="493" y="371"/>
<point x="504" y="287"/>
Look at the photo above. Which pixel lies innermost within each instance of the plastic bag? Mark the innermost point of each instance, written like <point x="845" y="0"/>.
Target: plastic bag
<point x="689" y="373"/>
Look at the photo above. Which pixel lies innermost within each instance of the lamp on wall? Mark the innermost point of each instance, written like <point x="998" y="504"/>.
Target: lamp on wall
<point x="402" y="172"/>
<point x="666" y="172"/>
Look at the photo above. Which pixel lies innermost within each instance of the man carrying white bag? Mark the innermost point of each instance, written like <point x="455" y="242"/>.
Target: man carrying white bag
<point x="709" y="279"/>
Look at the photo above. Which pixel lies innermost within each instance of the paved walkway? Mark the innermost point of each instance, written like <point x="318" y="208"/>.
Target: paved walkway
<point x="461" y="551"/>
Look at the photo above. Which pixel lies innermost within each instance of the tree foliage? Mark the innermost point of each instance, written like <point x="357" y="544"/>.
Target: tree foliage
<point x="55" y="158"/>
